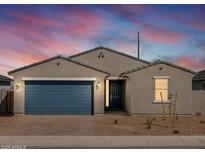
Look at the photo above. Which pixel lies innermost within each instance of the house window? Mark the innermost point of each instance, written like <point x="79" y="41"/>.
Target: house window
<point x="161" y="90"/>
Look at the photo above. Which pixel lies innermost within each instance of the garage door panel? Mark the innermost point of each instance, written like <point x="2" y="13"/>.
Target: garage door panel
<point x="58" y="97"/>
<point x="47" y="88"/>
<point x="58" y="110"/>
<point x="57" y="113"/>
<point x="58" y="104"/>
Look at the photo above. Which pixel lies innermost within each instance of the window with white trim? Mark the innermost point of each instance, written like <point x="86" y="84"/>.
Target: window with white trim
<point x="161" y="89"/>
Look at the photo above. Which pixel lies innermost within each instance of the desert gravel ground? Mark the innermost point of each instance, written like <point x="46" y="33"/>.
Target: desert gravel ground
<point x="99" y="125"/>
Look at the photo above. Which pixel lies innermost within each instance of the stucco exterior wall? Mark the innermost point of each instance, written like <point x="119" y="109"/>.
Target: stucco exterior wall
<point x="143" y="89"/>
<point x="111" y="62"/>
<point x="66" y="69"/>
<point x="198" y="99"/>
<point x="128" y="95"/>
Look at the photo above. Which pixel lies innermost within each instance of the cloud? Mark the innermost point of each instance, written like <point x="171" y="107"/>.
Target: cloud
<point x="131" y="13"/>
<point x="198" y="25"/>
<point x="191" y="62"/>
<point x="191" y="20"/>
<point x="78" y="23"/>
<point x="34" y="19"/>
<point x="33" y="37"/>
<point x="162" y="35"/>
<point x="136" y="14"/>
<point x="84" y="24"/>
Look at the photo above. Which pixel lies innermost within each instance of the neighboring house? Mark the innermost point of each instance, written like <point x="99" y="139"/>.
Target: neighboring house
<point x="5" y="85"/>
<point x="198" y="94"/>
<point x="98" y="80"/>
<point x="199" y="81"/>
<point x="5" y="82"/>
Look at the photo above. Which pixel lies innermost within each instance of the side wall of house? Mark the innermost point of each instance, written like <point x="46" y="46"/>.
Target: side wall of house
<point x="143" y="89"/>
<point x="128" y="95"/>
<point x="109" y="61"/>
<point x="66" y="69"/>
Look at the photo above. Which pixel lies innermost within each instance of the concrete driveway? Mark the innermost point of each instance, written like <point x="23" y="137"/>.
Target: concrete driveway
<point x="98" y="125"/>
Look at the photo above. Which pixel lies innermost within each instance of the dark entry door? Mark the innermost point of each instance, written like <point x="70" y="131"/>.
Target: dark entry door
<point x="115" y="94"/>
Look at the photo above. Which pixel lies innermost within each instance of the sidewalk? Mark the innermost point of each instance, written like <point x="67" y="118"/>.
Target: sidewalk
<point x="102" y="141"/>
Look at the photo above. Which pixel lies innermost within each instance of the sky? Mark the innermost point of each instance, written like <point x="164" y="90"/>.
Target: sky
<point x="30" y="33"/>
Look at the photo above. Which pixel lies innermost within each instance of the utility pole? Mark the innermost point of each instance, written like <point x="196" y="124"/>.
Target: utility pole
<point x="138" y="44"/>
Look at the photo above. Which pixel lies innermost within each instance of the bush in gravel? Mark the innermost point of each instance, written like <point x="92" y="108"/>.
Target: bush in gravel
<point x="176" y="118"/>
<point x="202" y="121"/>
<point x="175" y="131"/>
<point x="154" y="118"/>
<point x="115" y="122"/>
<point x="148" y="123"/>
<point x="198" y="113"/>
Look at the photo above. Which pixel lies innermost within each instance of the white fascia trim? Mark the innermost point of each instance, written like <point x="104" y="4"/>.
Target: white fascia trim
<point x="115" y="78"/>
<point x="57" y="79"/>
<point x="161" y="77"/>
<point x="155" y="101"/>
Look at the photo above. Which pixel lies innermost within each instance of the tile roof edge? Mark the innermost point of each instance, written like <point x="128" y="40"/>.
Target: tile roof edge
<point x="53" y="58"/>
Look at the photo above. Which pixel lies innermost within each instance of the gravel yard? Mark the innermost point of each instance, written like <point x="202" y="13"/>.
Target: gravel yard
<point x="107" y="124"/>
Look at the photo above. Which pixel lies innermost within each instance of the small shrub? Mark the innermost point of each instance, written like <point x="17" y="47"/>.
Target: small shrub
<point x="198" y="113"/>
<point x="149" y="126"/>
<point x="175" y="131"/>
<point x="115" y="122"/>
<point x="149" y="123"/>
<point x="154" y="118"/>
<point x="135" y="132"/>
<point x="164" y="117"/>
<point x="202" y="121"/>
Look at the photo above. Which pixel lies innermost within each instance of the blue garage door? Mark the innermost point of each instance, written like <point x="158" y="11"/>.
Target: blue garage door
<point x="58" y="97"/>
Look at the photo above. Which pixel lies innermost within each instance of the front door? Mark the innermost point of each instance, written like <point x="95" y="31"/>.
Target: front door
<point x="115" y="94"/>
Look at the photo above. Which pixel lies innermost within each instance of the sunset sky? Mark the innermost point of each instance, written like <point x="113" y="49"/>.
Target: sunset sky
<point x="29" y="33"/>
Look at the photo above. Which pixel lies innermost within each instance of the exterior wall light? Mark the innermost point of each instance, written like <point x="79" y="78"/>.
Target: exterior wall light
<point x="98" y="85"/>
<point x="18" y="85"/>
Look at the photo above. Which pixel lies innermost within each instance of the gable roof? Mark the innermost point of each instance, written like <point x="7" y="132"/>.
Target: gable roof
<point x="200" y="75"/>
<point x="56" y="57"/>
<point x="159" y="62"/>
<point x="5" y="78"/>
<point x="108" y="49"/>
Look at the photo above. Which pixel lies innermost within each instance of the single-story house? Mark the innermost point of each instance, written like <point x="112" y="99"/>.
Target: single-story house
<point x="5" y="82"/>
<point x="100" y="80"/>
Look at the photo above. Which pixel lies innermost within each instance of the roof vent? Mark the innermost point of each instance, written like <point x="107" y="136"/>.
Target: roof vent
<point x="101" y="55"/>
